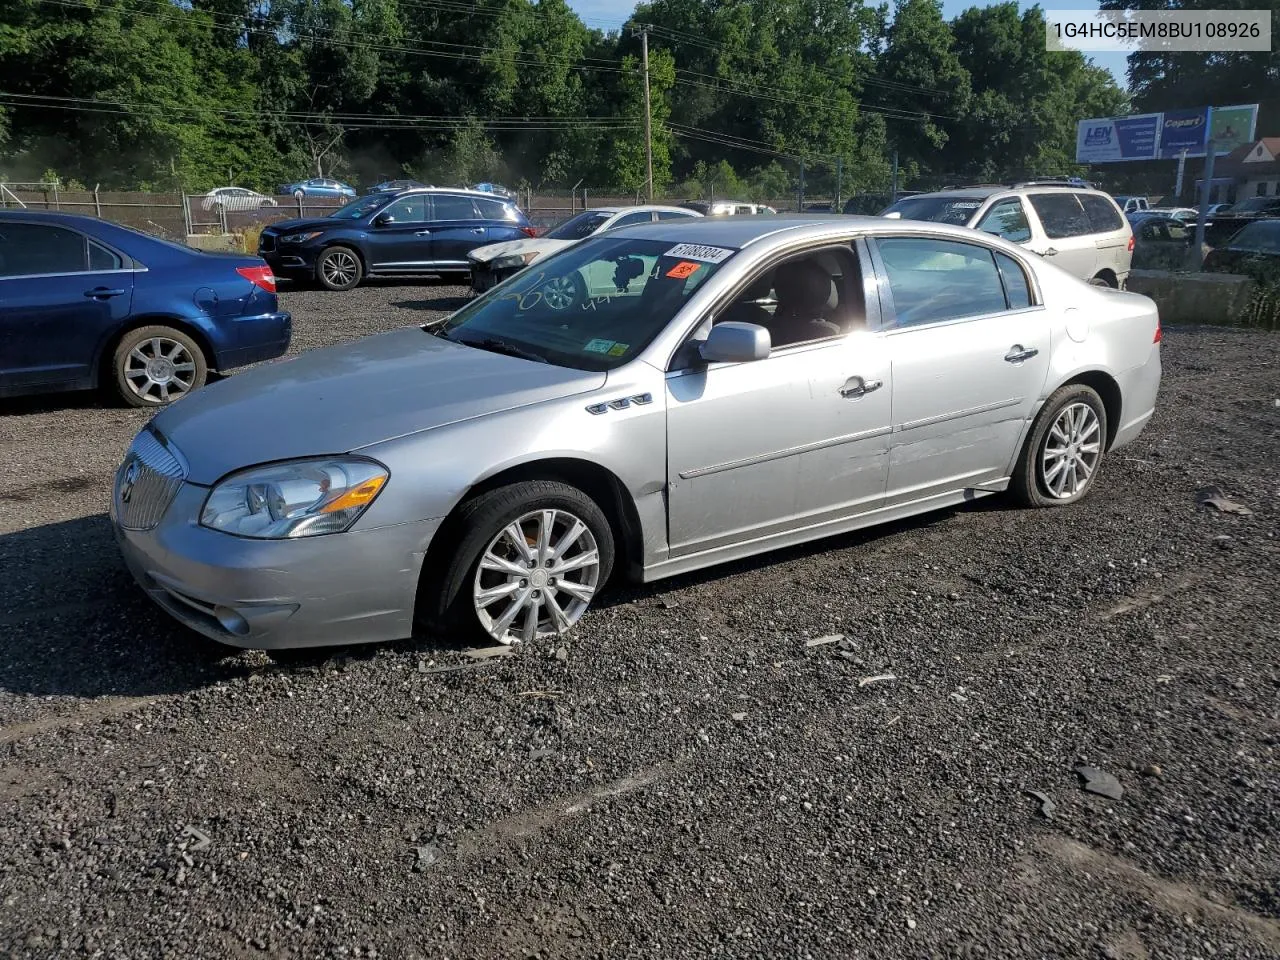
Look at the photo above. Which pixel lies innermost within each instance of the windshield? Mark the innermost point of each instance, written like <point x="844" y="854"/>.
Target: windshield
<point x="1263" y="236"/>
<point x="360" y="208"/>
<point x="594" y="306"/>
<point x="954" y="210"/>
<point x="1256" y="205"/>
<point x="579" y="227"/>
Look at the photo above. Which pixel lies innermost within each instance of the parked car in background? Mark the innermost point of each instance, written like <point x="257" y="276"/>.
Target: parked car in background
<point x="1129" y="204"/>
<point x="429" y="230"/>
<point x="1160" y="242"/>
<point x="1254" y="251"/>
<point x="391" y="186"/>
<point x="727" y="208"/>
<point x="1185" y="214"/>
<point x="1228" y="223"/>
<point x="1082" y="231"/>
<point x="495" y="189"/>
<point x="318" y="187"/>
<point x="86" y="303"/>
<point x="492" y="264"/>
<point x="870" y="204"/>
<point x="485" y="474"/>
<point x="236" y="200"/>
<point x="1217" y="208"/>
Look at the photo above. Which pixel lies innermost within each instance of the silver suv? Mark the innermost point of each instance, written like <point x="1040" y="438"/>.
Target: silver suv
<point x="1082" y="231"/>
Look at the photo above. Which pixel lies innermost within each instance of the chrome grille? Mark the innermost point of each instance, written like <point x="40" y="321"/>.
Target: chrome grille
<point x="146" y="483"/>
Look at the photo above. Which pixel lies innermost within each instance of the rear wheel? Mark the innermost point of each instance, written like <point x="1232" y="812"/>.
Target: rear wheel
<point x="561" y="293"/>
<point x="339" y="268"/>
<point x="156" y="365"/>
<point x="1102" y="280"/>
<point x="1063" y="453"/>
<point x="530" y="559"/>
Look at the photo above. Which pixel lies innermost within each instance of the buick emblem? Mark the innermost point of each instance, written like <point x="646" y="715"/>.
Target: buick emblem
<point x="128" y="480"/>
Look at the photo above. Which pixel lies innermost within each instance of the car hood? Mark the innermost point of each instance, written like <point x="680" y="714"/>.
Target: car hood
<point x="282" y="227"/>
<point x="541" y="247"/>
<point x="337" y="399"/>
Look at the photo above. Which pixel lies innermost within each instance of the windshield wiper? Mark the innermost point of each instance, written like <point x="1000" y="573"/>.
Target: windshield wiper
<point x="497" y="345"/>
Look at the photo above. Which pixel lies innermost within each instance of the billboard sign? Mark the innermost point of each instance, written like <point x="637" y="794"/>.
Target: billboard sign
<point x="1231" y="127"/>
<point x="1184" y="130"/>
<point x="1112" y="139"/>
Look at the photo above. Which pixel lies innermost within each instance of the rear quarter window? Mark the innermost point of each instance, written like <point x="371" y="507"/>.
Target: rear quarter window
<point x="1061" y="215"/>
<point x="1103" y="215"/>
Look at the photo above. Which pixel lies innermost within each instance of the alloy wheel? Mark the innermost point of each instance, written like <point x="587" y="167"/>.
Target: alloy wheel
<point x="1071" y="451"/>
<point x="559" y="293"/>
<point x="536" y="577"/>
<point x="159" y="369"/>
<point x="340" y="268"/>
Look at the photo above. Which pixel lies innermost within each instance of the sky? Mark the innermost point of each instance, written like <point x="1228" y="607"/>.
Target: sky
<point x="611" y="14"/>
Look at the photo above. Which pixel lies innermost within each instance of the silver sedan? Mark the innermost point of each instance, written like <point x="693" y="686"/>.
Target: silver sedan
<point x="721" y="388"/>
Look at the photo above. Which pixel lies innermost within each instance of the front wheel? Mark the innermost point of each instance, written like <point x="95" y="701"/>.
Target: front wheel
<point x="339" y="268"/>
<point x="561" y="293"/>
<point x="156" y="365"/>
<point x="530" y="559"/>
<point x="1063" y="453"/>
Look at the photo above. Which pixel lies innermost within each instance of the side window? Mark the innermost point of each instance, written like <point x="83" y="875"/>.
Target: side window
<point x="100" y="258"/>
<point x="672" y="215"/>
<point x="742" y="210"/>
<point x="28" y="249"/>
<point x="492" y="209"/>
<point x="1102" y="213"/>
<point x="409" y="209"/>
<point x="631" y="219"/>
<point x="450" y="206"/>
<point x="1017" y="290"/>
<point x="812" y="297"/>
<point x="1061" y="215"/>
<point x="933" y="280"/>
<point x="1007" y="219"/>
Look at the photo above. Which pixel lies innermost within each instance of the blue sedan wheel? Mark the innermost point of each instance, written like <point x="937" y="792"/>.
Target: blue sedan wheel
<point x="156" y="365"/>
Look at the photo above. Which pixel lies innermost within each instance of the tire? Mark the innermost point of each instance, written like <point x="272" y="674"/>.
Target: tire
<point x="339" y="268"/>
<point x="153" y="366"/>
<point x="1039" y="480"/>
<point x="561" y="293"/>
<point x="1101" y="281"/>
<point x="448" y="597"/>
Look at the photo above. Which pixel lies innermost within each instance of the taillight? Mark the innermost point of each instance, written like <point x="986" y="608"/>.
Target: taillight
<point x="529" y="231"/>
<point x="259" y="277"/>
<point x="1131" y="243"/>
<point x="1159" y="332"/>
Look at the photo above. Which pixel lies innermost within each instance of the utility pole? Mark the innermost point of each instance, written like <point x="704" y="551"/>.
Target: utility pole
<point x="643" y="30"/>
<point x="835" y="207"/>
<point x="1210" y="153"/>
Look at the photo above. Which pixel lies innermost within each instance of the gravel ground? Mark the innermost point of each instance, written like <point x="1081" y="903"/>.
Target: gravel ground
<point x="685" y="777"/>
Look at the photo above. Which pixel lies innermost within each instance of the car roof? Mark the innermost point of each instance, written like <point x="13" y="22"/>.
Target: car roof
<point x="78" y="220"/>
<point x="463" y="190"/>
<point x="739" y="232"/>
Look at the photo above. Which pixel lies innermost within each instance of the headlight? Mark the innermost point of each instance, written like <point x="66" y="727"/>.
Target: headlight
<point x="300" y="237"/>
<point x="515" y="260"/>
<point x="304" y="498"/>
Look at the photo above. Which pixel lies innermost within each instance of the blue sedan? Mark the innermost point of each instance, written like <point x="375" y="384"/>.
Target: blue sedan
<point x="319" y="187"/>
<point x="85" y="303"/>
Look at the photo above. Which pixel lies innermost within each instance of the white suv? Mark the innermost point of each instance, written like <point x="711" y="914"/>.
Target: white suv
<point x="1081" y="231"/>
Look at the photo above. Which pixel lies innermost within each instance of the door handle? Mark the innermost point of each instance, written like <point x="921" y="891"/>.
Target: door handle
<point x="856" y="387"/>
<point x="1017" y="353"/>
<point x="102" y="293"/>
<point x="477" y="229"/>
<point x="1051" y="252"/>
<point x="422" y="233"/>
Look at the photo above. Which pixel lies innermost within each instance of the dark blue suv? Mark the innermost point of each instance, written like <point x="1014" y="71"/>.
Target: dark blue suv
<point x="408" y="231"/>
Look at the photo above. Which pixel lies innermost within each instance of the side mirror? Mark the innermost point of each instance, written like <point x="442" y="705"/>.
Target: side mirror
<point x="736" y="342"/>
<point x="383" y="219"/>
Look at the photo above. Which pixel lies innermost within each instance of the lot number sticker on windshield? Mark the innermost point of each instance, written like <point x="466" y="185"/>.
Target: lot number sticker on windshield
<point x="696" y="251"/>
<point x="683" y="270"/>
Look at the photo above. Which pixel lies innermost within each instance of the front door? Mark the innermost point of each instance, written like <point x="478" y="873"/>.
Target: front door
<point x="969" y="351"/>
<point x="400" y="236"/>
<point x="61" y="295"/>
<point x="790" y="442"/>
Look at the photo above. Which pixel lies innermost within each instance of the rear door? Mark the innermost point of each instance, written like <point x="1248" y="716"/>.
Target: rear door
<point x="969" y="349"/>
<point x="1067" y="240"/>
<point x="61" y="294"/>
<point x="456" y="229"/>
<point x="1111" y="234"/>
<point x="499" y="220"/>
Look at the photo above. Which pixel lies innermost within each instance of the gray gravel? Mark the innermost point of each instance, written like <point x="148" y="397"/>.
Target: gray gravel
<point x="685" y="777"/>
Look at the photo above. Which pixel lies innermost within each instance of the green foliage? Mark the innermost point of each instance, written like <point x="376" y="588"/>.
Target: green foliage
<point x="259" y="92"/>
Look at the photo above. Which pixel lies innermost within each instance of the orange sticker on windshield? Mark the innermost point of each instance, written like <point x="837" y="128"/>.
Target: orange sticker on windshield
<point x="683" y="270"/>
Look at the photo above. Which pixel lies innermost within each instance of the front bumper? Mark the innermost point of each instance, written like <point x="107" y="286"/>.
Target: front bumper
<point x="485" y="277"/>
<point x="356" y="587"/>
<point x="253" y="339"/>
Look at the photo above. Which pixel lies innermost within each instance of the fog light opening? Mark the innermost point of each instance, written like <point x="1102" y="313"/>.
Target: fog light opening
<point x="231" y="621"/>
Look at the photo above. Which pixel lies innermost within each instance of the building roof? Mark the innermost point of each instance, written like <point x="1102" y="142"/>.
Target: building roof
<point x="1258" y="159"/>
